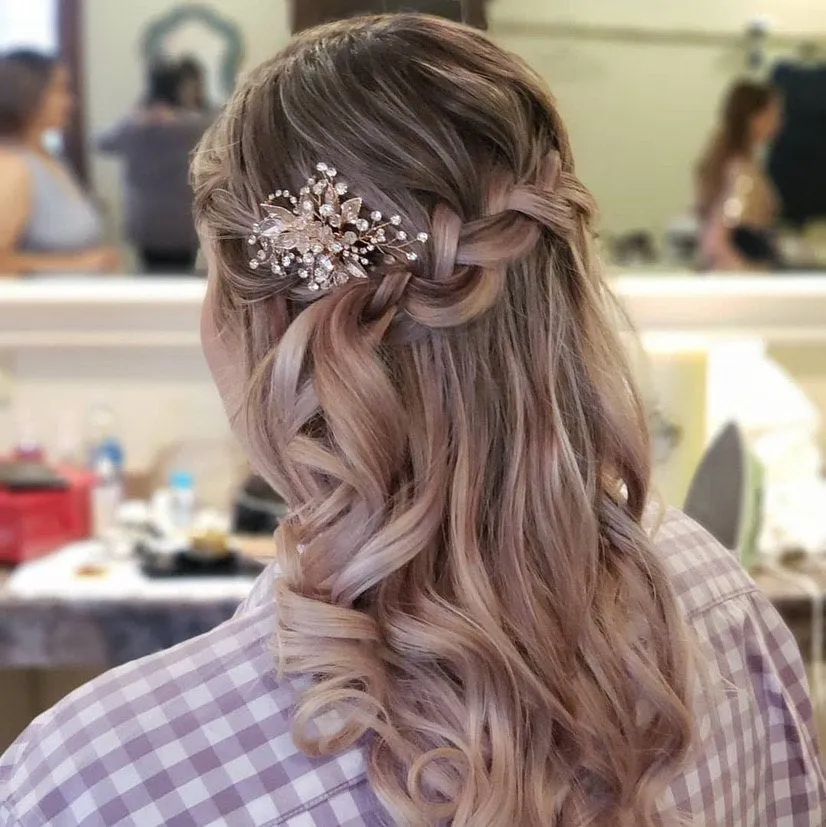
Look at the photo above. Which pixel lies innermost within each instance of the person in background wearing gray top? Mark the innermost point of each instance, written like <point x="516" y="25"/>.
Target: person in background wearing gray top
<point x="48" y="224"/>
<point x="155" y="142"/>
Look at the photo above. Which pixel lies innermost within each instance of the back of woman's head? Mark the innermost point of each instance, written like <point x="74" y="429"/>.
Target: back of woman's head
<point x="163" y="83"/>
<point x="734" y="137"/>
<point x="24" y="78"/>
<point x="464" y="568"/>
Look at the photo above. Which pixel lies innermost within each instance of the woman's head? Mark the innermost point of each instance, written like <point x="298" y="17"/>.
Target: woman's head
<point x="751" y="117"/>
<point x="163" y="84"/>
<point x="458" y="437"/>
<point x="35" y="95"/>
<point x="192" y="86"/>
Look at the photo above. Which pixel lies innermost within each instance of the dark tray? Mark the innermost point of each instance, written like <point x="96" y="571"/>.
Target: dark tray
<point x="184" y="564"/>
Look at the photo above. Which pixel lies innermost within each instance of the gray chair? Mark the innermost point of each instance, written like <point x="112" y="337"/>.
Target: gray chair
<point x="719" y="495"/>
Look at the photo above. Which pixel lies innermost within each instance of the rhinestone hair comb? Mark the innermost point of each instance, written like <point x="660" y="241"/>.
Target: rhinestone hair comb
<point x="325" y="240"/>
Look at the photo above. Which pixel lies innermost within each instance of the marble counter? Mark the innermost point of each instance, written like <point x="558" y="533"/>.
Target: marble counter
<point x="51" y="619"/>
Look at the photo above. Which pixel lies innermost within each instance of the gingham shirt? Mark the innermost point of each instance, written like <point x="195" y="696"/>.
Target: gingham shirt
<point x="200" y="734"/>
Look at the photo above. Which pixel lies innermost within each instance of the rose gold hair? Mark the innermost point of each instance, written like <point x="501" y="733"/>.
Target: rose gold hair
<point x="464" y="572"/>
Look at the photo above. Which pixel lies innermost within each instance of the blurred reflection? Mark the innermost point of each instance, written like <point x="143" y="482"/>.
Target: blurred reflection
<point x="155" y="142"/>
<point x="738" y="204"/>
<point x="48" y="224"/>
<point x="192" y="85"/>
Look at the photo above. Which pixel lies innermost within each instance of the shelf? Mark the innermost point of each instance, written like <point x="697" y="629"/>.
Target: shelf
<point x="668" y="310"/>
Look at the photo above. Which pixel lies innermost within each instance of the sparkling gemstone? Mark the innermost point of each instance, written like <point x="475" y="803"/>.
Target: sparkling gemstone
<point x="254" y="264"/>
<point x="319" y="188"/>
<point x="303" y="274"/>
<point x="276" y="269"/>
<point x="350" y="237"/>
<point x="318" y="248"/>
<point x="251" y="240"/>
<point x="401" y="235"/>
<point x="313" y="286"/>
<point x="362" y="224"/>
<point x="332" y="172"/>
<point x="270" y="197"/>
<point x="396" y="220"/>
<point x="411" y="256"/>
<point x="375" y="215"/>
<point x="321" y="167"/>
<point x="371" y="247"/>
<point x="261" y="255"/>
<point x="341" y="188"/>
<point x="308" y="258"/>
<point x="336" y="246"/>
<point x="304" y="191"/>
<point x="422" y="237"/>
<point x="326" y="210"/>
<point x="286" y="261"/>
<point x="293" y="199"/>
<point x="327" y="264"/>
<point x="335" y="220"/>
<point x="365" y="261"/>
<point x="307" y="206"/>
<point x="256" y="228"/>
<point x="278" y="194"/>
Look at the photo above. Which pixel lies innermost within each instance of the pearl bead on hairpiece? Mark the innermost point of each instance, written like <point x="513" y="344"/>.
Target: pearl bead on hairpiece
<point x="325" y="240"/>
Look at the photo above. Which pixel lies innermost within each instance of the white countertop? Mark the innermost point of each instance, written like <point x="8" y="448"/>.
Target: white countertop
<point x="56" y="577"/>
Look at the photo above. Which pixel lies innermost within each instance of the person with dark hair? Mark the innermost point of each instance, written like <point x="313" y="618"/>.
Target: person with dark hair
<point x="191" y="92"/>
<point x="155" y="142"/>
<point x="48" y="224"/>
<point x="163" y="84"/>
<point x="737" y="202"/>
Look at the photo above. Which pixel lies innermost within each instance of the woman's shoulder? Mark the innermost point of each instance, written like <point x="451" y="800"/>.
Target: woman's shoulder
<point x="703" y="573"/>
<point x="160" y="738"/>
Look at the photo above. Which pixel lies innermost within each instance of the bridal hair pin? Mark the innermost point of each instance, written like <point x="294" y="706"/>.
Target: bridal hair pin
<point x="325" y="240"/>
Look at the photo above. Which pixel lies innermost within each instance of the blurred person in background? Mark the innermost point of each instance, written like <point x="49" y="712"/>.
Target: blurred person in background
<point x="48" y="224"/>
<point x="155" y="142"/>
<point x="737" y="203"/>
<point x="192" y="87"/>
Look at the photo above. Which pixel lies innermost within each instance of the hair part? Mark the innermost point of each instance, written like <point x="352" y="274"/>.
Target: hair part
<point x="733" y="139"/>
<point x="465" y="571"/>
<point x="25" y="76"/>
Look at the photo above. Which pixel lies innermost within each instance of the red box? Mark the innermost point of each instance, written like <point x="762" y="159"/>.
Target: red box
<point x="34" y="523"/>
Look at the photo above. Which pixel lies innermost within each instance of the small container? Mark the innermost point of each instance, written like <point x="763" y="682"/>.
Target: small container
<point x="106" y="498"/>
<point x="182" y="500"/>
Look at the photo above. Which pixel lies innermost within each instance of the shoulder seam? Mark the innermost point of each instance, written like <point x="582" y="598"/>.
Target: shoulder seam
<point x="744" y="591"/>
<point x="319" y="799"/>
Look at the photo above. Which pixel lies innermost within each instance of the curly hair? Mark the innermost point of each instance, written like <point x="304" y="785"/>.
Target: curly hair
<point x="466" y="574"/>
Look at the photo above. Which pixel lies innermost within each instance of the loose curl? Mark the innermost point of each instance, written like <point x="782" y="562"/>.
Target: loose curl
<point x="465" y="572"/>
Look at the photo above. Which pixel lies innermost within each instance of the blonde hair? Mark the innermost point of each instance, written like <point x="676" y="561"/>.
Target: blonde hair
<point x="465" y="573"/>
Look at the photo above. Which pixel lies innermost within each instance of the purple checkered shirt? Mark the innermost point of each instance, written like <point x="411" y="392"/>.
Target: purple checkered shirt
<point x="200" y="734"/>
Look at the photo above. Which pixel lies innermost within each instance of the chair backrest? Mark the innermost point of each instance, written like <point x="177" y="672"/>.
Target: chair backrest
<point x="718" y="495"/>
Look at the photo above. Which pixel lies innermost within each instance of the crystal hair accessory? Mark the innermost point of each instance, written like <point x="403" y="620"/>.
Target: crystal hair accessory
<point x="325" y="236"/>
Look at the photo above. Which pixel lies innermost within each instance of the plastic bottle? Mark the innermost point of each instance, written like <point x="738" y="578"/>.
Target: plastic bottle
<point x="106" y="498"/>
<point x="182" y="499"/>
<point x="102" y="439"/>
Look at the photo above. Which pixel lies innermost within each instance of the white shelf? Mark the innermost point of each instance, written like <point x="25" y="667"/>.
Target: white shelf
<point x="669" y="310"/>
